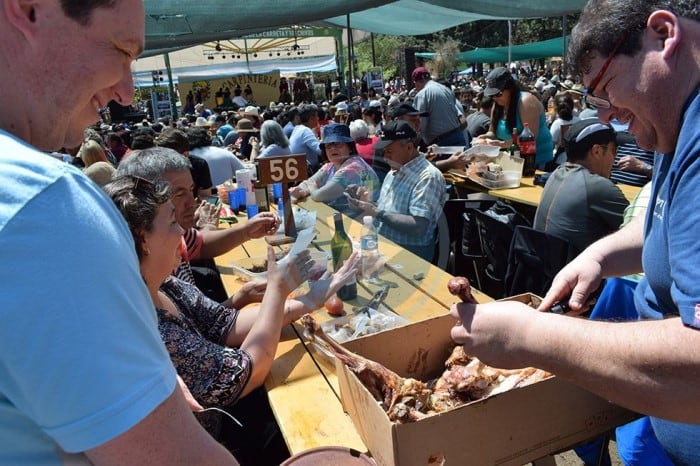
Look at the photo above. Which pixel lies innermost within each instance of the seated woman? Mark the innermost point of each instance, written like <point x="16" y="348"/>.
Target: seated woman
<point x="221" y="353"/>
<point x="272" y="141"/>
<point x="344" y="168"/>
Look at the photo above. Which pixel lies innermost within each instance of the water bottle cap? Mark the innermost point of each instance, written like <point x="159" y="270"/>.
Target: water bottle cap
<point x="367" y="219"/>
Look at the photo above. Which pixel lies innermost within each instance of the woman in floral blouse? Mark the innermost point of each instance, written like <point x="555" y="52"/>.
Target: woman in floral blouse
<point x="221" y="353"/>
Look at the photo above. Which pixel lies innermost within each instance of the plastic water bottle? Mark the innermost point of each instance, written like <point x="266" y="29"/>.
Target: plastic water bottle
<point x="369" y="247"/>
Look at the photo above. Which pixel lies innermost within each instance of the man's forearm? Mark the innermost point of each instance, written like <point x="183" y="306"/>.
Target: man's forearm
<point x="650" y="367"/>
<point x="620" y="253"/>
<point x="404" y="222"/>
<point x="217" y="242"/>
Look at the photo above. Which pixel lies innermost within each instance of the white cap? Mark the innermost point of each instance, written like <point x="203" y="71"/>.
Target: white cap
<point x="367" y="219"/>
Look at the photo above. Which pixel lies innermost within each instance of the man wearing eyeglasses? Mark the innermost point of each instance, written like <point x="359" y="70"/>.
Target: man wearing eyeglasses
<point x="640" y="62"/>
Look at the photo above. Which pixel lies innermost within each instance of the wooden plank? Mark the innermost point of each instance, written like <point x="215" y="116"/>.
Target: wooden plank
<point x="307" y="409"/>
<point x="528" y="193"/>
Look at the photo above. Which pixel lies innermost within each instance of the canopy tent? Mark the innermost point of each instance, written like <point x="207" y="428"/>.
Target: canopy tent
<point x="175" y="24"/>
<point x="547" y="48"/>
<point x="208" y="72"/>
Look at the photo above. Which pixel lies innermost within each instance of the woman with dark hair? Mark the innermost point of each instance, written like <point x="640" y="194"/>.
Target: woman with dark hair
<point x="344" y="167"/>
<point x="221" y="353"/>
<point x="374" y="119"/>
<point x="513" y="108"/>
<point x="564" y="105"/>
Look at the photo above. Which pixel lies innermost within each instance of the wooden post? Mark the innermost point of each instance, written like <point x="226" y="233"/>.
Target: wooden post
<point x="283" y="169"/>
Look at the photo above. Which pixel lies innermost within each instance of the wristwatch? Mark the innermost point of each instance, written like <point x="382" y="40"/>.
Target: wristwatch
<point x="648" y="168"/>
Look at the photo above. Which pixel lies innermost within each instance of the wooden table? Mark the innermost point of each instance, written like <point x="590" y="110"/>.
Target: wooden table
<point x="527" y="194"/>
<point x="302" y="386"/>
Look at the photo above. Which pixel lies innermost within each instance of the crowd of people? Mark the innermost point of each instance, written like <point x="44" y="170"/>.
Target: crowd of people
<point x="112" y="372"/>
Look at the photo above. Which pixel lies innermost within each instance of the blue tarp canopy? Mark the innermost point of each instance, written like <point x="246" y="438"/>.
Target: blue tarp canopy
<point x="175" y="24"/>
<point x="547" y="48"/>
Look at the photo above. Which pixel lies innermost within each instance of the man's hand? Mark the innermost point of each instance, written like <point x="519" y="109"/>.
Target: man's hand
<point x="633" y="165"/>
<point x="263" y="224"/>
<point x="357" y="192"/>
<point x="578" y="279"/>
<point x="366" y="207"/>
<point x="207" y="216"/>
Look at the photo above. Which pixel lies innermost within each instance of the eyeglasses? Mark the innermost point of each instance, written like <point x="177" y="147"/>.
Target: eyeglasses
<point x="599" y="102"/>
<point x="500" y="93"/>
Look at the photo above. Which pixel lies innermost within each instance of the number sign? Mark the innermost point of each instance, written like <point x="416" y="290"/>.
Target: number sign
<point x="283" y="169"/>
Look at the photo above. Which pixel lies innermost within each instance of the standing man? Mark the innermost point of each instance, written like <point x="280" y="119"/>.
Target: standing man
<point x="443" y="127"/>
<point x="636" y="57"/>
<point x="412" y="196"/>
<point x="84" y="375"/>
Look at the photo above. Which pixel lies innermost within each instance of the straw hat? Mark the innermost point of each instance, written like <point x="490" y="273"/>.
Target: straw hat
<point x="251" y="110"/>
<point x="202" y="122"/>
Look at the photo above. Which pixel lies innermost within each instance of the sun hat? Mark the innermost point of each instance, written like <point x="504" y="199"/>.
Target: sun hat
<point x="251" y="110"/>
<point x="341" y="108"/>
<point x="407" y="109"/>
<point x="393" y="131"/>
<point x="496" y="80"/>
<point x="336" y="132"/>
<point x="244" y="125"/>
<point x="202" y="122"/>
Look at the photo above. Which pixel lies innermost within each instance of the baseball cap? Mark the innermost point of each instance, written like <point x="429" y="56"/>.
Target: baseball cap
<point x="584" y="134"/>
<point x="420" y="73"/>
<point x="496" y="80"/>
<point x="407" y="109"/>
<point x="393" y="131"/>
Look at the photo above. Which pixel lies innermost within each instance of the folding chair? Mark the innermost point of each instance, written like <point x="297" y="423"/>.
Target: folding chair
<point x="495" y="235"/>
<point x="534" y="259"/>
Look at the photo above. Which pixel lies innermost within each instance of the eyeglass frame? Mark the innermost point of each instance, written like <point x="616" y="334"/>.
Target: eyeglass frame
<point x="594" y="101"/>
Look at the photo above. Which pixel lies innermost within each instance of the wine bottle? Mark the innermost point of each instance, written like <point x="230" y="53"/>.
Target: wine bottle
<point x="341" y="248"/>
<point x="514" y="149"/>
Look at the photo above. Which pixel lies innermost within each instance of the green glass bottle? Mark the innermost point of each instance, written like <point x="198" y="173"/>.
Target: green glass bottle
<point x="341" y="248"/>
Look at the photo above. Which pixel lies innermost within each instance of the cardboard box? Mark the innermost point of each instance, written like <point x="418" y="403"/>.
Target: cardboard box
<point x="513" y="427"/>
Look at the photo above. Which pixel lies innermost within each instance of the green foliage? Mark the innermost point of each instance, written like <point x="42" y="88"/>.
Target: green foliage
<point x="477" y="34"/>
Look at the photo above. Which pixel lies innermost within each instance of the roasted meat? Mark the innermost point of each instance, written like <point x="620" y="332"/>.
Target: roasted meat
<point x="399" y="396"/>
<point x="465" y="378"/>
<point x="459" y="286"/>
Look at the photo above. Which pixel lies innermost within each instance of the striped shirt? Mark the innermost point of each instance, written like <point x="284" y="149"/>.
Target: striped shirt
<point x="417" y="189"/>
<point x="624" y="177"/>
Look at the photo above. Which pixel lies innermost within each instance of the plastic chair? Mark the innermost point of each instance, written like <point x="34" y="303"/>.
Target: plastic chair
<point x="534" y="259"/>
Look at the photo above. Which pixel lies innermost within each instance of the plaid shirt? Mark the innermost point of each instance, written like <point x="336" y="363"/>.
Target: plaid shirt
<point x="417" y="189"/>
